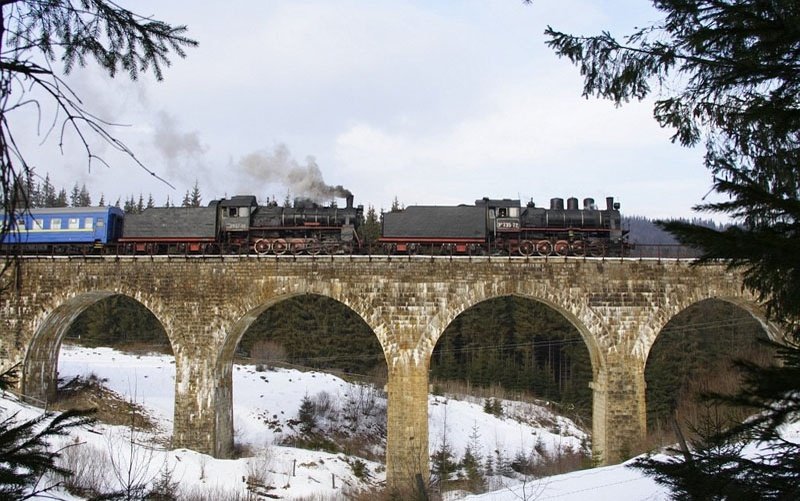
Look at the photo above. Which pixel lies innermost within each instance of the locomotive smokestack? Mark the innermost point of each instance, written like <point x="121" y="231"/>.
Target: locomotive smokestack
<point x="349" y="199"/>
<point x="609" y="203"/>
<point x="556" y="204"/>
<point x="588" y="204"/>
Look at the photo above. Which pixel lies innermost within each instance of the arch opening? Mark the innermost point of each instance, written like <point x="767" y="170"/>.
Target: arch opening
<point x="694" y="353"/>
<point x="107" y="351"/>
<point x="523" y="363"/>
<point x="303" y="371"/>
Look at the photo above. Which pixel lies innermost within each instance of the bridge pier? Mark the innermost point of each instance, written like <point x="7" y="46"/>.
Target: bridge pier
<point x="199" y="416"/>
<point x="407" y="422"/>
<point x="619" y="422"/>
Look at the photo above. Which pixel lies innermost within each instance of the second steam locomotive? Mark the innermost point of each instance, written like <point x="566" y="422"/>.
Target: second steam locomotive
<point x="239" y="225"/>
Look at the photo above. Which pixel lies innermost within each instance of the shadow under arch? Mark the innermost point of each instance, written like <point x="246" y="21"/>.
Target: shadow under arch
<point x="589" y="339"/>
<point x="693" y="352"/>
<point x="223" y="366"/>
<point x="40" y="362"/>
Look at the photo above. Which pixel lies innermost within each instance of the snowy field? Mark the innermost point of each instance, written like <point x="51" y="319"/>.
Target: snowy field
<point x="291" y="473"/>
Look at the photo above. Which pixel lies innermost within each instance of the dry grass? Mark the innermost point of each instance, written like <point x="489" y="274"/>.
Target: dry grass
<point x="88" y="392"/>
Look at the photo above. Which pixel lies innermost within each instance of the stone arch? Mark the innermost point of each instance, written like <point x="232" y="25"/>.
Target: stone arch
<point x="40" y="360"/>
<point x="744" y="301"/>
<point x="446" y="317"/>
<point x="223" y="367"/>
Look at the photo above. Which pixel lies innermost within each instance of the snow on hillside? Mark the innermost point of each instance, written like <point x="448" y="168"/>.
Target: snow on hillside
<point x="274" y="396"/>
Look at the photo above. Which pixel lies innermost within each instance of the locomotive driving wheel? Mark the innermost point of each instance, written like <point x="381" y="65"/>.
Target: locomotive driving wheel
<point x="579" y="248"/>
<point x="526" y="248"/>
<point x="279" y="246"/>
<point x="561" y="247"/>
<point x="544" y="247"/>
<point x="261" y="246"/>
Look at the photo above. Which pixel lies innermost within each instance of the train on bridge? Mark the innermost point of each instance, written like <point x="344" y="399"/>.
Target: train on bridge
<point x="239" y="225"/>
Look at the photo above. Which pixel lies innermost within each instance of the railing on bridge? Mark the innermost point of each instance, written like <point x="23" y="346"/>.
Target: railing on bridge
<point x="628" y="251"/>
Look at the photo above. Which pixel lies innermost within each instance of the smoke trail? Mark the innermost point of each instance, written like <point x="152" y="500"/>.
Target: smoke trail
<point x="301" y="180"/>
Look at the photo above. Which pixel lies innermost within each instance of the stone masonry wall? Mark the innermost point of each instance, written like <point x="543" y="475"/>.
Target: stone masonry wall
<point x="205" y="306"/>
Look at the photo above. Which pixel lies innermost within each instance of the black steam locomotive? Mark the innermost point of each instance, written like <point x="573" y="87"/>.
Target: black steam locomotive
<point x="240" y="226"/>
<point x="505" y="227"/>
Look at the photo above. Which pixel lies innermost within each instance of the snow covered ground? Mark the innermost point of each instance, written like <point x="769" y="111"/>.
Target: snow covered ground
<point x="262" y="397"/>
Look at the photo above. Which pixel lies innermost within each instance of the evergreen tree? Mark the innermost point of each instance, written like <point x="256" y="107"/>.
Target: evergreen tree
<point x="738" y="63"/>
<point x="61" y="199"/>
<point x="48" y="192"/>
<point x="371" y="228"/>
<point x="75" y="196"/>
<point x="84" y="199"/>
<point x="102" y="202"/>
<point x="187" y="200"/>
<point x="140" y="204"/>
<point x="25" y="454"/>
<point x="195" y="199"/>
<point x="307" y="415"/>
<point x="150" y="202"/>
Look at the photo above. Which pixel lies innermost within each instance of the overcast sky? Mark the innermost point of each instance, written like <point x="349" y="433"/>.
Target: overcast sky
<point x="432" y="102"/>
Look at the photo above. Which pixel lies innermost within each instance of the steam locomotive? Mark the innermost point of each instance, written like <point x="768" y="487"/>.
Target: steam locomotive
<point x="505" y="227"/>
<point x="239" y="225"/>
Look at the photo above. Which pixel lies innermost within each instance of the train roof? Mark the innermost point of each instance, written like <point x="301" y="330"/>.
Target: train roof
<point x="239" y="201"/>
<point x="171" y="222"/>
<point x="428" y="221"/>
<point x="57" y="211"/>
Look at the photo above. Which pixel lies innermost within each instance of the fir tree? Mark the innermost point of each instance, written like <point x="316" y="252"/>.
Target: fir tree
<point x="371" y="228"/>
<point x="25" y="454"/>
<point x="48" y="192"/>
<point x="75" y="196"/>
<point x="102" y="202"/>
<point x="150" y="202"/>
<point x="61" y="199"/>
<point x="187" y="200"/>
<point x="738" y="91"/>
<point x="307" y="415"/>
<point x="195" y="199"/>
<point x="84" y="199"/>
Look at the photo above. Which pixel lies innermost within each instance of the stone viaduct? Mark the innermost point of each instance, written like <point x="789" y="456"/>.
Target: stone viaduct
<point x="206" y="304"/>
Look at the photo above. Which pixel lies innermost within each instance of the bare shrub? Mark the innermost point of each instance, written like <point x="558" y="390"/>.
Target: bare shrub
<point x="87" y="464"/>
<point x="324" y="405"/>
<point x="212" y="493"/>
<point x="258" y="475"/>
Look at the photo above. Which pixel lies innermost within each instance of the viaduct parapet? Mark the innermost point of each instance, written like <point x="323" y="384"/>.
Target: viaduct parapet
<point x="206" y="305"/>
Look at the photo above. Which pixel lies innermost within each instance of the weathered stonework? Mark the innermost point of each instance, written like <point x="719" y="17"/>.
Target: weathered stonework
<point x="206" y="305"/>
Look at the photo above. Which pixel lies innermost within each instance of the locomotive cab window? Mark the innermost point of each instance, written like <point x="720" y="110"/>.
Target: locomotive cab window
<point x="233" y="212"/>
<point x="513" y="211"/>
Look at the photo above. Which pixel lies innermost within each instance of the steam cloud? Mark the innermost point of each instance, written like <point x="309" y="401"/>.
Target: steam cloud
<point x="182" y="151"/>
<point x="301" y="180"/>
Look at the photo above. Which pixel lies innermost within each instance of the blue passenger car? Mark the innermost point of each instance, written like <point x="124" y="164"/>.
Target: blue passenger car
<point x="65" y="226"/>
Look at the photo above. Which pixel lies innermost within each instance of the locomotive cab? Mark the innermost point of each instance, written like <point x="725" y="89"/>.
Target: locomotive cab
<point x="502" y="216"/>
<point x="234" y="213"/>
